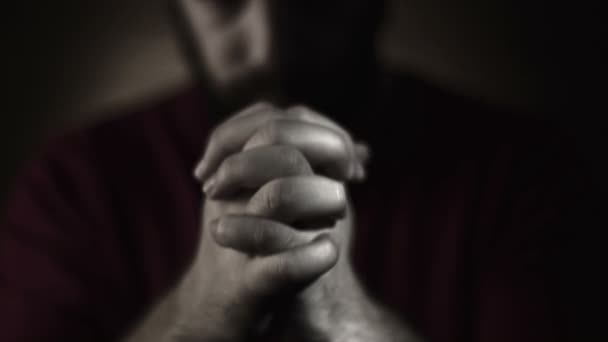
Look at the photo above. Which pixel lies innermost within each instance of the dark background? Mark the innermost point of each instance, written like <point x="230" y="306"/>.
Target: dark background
<point x="71" y="63"/>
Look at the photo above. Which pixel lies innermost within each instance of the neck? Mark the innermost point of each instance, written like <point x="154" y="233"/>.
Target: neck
<point x="347" y="92"/>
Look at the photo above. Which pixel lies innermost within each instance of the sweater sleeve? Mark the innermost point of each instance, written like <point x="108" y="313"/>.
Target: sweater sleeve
<point x="100" y="224"/>
<point x="45" y="249"/>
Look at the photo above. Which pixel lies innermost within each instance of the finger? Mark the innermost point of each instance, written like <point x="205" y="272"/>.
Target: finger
<point x="360" y="173"/>
<point x="359" y="152"/>
<point x="255" y="167"/>
<point x="296" y="199"/>
<point x="230" y="136"/>
<point x="257" y="236"/>
<point x="293" y="268"/>
<point x="252" y="109"/>
<point x="306" y="114"/>
<point x="326" y="150"/>
<point x="363" y="152"/>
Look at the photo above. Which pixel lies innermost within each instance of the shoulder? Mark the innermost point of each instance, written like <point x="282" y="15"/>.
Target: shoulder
<point x="89" y="168"/>
<point x="100" y="217"/>
<point x="454" y="127"/>
<point x="482" y="155"/>
<point x="177" y="124"/>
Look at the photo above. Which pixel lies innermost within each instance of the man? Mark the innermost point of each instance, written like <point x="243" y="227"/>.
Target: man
<point x="461" y="216"/>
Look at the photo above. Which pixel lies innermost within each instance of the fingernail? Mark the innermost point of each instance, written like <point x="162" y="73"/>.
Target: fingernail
<point x="209" y="185"/>
<point x="361" y="172"/>
<point x="352" y="170"/>
<point x="198" y="171"/>
<point x="363" y="152"/>
<point x="327" y="247"/>
<point x="321" y="237"/>
<point x="340" y="192"/>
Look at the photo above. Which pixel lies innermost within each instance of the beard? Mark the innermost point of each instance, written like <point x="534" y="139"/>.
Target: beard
<point x="334" y="75"/>
<point x="227" y="99"/>
<point x="334" y="79"/>
<point x="338" y="92"/>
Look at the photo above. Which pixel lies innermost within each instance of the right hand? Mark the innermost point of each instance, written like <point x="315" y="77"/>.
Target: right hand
<point x="269" y="152"/>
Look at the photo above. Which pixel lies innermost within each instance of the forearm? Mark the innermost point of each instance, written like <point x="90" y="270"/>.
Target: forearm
<point x="372" y="322"/>
<point x="171" y="319"/>
<point x="335" y="313"/>
<point x="368" y="320"/>
<point x="178" y="317"/>
<point x="160" y="324"/>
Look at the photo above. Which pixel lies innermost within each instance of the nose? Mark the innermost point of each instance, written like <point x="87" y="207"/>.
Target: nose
<point x="256" y="48"/>
<point x="276" y="35"/>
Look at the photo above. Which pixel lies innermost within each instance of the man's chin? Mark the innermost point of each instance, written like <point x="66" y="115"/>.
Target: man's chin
<point x="318" y="91"/>
<point x="230" y="102"/>
<point x="230" y="99"/>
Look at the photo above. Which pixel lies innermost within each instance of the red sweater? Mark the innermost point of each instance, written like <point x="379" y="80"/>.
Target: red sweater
<point x="462" y="226"/>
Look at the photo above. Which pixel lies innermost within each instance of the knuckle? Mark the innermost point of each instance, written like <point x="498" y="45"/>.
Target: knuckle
<point x="279" y="271"/>
<point x="343" y="143"/>
<point x="271" y="132"/>
<point x="253" y="282"/>
<point x="300" y="112"/>
<point x="294" y="160"/>
<point x="267" y="199"/>
<point x="230" y="167"/>
<point x="221" y="231"/>
<point x="288" y="240"/>
<point x="258" y="235"/>
<point x="264" y="104"/>
<point x="268" y="134"/>
<point x="261" y="104"/>
<point x="215" y="142"/>
<point x="268" y="277"/>
<point x="253" y="109"/>
<point x="273" y="195"/>
<point x="279" y="238"/>
<point x="342" y="201"/>
<point x="216" y="134"/>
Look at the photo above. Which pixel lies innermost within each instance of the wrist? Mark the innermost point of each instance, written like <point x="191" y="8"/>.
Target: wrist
<point x="204" y="313"/>
<point x="343" y="312"/>
<point x="329" y="310"/>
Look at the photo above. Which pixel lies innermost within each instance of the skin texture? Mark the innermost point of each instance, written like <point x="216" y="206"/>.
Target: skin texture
<point x="276" y="222"/>
<point x="273" y="259"/>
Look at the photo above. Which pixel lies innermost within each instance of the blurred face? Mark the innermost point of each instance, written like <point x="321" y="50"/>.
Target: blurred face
<point x="281" y="50"/>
